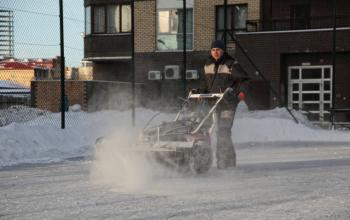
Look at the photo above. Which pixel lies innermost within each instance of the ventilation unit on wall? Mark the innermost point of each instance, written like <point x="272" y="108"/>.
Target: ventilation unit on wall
<point x="172" y="72"/>
<point x="154" y="75"/>
<point x="192" y="74"/>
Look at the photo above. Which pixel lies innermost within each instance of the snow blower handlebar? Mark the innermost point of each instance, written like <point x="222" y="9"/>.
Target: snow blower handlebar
<point x="204" y="95"/>
<point x="220" y="96"/>
<point x="195" y="94"/>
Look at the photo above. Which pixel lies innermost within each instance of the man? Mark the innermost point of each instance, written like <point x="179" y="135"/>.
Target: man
<point x="221" y="71"/>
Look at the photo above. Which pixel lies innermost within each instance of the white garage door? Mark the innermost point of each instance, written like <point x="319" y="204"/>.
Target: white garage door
<point x="310" y="90"/>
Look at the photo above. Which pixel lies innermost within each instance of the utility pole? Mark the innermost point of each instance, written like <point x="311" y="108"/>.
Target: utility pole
<point x="184" y="49"/>
<point x="63" y="101"/>
<point x="133" y="60"/>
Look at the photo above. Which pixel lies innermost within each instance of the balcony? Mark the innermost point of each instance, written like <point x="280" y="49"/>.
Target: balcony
<point x="99" y="46"/>
<point x="296" y="24"/>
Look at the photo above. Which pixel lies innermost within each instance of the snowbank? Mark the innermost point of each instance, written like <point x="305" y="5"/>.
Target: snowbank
<point x="19" y="113"/>
<point x="277" y="125"/>
<point x="40" y="140"/>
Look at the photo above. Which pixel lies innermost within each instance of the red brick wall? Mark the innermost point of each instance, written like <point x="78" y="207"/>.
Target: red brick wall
<point x="91" y="95"/>
<point x="47" y="94"/>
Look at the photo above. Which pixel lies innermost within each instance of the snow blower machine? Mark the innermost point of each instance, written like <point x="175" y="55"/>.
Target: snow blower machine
<point x="184" y="143"/>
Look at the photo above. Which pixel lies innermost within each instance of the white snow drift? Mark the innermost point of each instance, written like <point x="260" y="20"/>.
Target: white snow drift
<point x="36" y="137"/>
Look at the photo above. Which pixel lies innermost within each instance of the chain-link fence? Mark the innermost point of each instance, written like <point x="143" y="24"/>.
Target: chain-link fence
<point x="109" y="38"/>
<point x="30" y="59"/>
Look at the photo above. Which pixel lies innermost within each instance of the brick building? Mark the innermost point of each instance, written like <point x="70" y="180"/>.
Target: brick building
<point x="158" y="39"/>
<point x="283" y="38"/>
<point x="292" y="44"/>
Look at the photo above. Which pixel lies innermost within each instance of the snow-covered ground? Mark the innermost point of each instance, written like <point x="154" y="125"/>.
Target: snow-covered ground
<point x="285" y="171"/>
<point x="270" y="183"/>
<point x="41" y="140"/>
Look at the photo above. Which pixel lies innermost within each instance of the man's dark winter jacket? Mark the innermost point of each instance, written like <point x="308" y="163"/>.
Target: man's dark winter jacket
<point x="223" y="73"/>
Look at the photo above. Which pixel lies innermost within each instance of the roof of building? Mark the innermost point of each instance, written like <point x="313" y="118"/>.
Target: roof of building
<point x="14" y="65"/>
<point x="26" y="64"/>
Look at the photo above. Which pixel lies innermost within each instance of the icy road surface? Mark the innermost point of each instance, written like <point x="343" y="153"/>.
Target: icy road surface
<point x="295" y="181"/>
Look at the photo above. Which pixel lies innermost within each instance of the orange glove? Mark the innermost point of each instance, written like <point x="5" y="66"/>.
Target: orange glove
<point x="241" y="96"/>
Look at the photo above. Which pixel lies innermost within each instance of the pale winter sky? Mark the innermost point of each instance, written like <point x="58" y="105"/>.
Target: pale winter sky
<point x="37" y="31"/>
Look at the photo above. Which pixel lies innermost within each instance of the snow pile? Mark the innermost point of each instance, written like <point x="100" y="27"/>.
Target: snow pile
<point x="19" y="113"/>
<point x="42" y="140"/>
<point x="277" y="125"/>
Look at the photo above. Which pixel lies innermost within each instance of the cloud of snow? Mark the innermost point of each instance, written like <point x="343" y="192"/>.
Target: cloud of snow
<point x="118" y="159"/>
<point x="116" y="164"/>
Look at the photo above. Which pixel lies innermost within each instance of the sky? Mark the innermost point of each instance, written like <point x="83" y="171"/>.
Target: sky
<point x="37" y="31"/>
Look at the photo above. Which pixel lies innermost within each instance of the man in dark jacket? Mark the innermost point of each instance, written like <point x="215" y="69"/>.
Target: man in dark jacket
<point x="221" y="71"/>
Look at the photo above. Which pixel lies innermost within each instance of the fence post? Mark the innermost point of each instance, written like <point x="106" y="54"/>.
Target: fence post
<point x="184" y="52"/>
<point x="133" y="86"/>
<point x="62" y="66"/>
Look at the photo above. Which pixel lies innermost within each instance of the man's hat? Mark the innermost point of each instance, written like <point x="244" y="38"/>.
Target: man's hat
<point x="218" y="44"/>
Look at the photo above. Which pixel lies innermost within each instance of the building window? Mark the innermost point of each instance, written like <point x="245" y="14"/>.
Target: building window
<point x="118" y="18"/>
<point x="170" y="29"/>
<point x="236" y="19"/>
<point x="88" y="20"/>
<point x="300" y="16"/>
<point x="99" y="19"/>
<point x="125" y="18"/>
<point x="113" y="18"/>
<point x="108" y="19"/>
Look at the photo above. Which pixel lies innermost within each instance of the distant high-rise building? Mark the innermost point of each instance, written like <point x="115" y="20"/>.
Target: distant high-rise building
<point x="6" y="34"/>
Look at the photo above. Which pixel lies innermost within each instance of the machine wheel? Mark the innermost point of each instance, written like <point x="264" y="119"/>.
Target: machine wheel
<point x="100" y="141"/>
<point x="201" y="157"/>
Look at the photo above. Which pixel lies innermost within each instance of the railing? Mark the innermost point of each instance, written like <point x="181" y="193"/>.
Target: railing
<point x="296" y="24"/>
<point x="14" y="96"/>
<point x="340" y="117"/>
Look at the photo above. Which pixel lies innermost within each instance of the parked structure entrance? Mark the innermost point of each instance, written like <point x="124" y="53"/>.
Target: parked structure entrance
<point x="310" y="90"/>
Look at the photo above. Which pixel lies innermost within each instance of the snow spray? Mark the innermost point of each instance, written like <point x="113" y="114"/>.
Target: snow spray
<point x="118" y="165"/>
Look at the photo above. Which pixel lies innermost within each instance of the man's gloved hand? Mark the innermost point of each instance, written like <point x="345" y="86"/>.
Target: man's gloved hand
<point x="241" y="96"/>
<point x="195" y="91"/>
<point x="229" y="94"/>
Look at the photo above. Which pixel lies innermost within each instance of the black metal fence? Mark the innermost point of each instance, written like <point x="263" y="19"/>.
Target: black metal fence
<point x="341" y="118"/>
<point x="10" y="100"/>
<point x="12" y="97"/>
